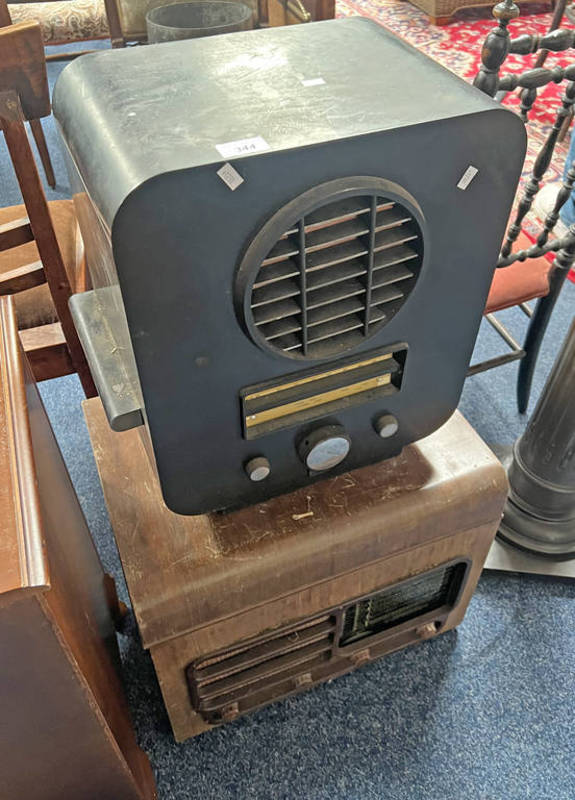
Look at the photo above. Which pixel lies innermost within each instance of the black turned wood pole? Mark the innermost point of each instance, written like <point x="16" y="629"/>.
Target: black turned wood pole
<point x="539" y="514"/>
<point x="495" y="48"/>
<point x="543" y="310"/>
<point x="569" y="179"/>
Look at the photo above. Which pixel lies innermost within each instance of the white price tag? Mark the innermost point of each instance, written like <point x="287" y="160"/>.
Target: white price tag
<point x="243" y="147"/>
<point x="230" y="176"/>
<point x="313" y="82"/>
<point x="467" y="177"/>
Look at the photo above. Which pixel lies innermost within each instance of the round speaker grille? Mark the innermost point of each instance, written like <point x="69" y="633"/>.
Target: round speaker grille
<point x="335" y="276"/>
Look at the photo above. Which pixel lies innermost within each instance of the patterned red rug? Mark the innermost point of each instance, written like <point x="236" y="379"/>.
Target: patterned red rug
<point x="458" y="47"/>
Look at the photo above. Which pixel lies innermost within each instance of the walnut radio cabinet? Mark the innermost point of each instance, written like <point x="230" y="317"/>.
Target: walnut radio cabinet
<point x="65" y="731"/>
<point x="243" y="608"/>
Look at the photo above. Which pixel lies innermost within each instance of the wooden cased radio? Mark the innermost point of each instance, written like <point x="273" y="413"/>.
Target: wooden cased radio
<point x="242" y="609"/>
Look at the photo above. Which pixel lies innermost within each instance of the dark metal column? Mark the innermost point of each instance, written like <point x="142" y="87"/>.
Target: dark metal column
<point x="540" y="512"/>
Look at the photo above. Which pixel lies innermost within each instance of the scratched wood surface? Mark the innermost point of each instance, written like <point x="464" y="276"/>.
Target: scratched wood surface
<point x="186" y="572"/>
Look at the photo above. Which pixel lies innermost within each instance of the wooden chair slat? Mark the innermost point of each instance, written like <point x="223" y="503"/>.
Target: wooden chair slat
<point x="47" y="352"/>
<point x="15" y="233"/>
<point x="25" y="277"/>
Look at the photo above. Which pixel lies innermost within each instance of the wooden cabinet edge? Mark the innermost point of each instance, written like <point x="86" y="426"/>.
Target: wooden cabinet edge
<point x="27" y="545"/>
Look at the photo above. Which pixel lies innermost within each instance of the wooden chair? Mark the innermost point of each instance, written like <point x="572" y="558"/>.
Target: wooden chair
<point x="35" y="124"/>
<point x="292" y="12"/>
<point x="440" y="12"/>
<point x="41" y="251"/>
<point x="65" y="21"/>
<point x="523" y="271"/>
<point x="127" y="18"/>
<point x="123" y="21"/>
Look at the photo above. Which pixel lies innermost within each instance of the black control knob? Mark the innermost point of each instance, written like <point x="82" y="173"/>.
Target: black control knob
<point x="386" y="425"/>
<point x="324" y="448"/>
<point x="258" y="468"/>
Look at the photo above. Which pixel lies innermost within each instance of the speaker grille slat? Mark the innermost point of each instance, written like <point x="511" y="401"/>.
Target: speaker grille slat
<point x="275" y="293"/>
<point x="334" y="311"/>
<point x="340" y="212"/>
<point x="336" y="255"/>
<point x="385" y="294"/>
<point x="391" y="219"/>
<point x="274" y="311"/>
<point x="250" y="655"/>
<point x="335" y="328"/>
<point x="289" y="343"/>
<point x="283" y="250"/>
<point x="399" y="255"/>
<point x="277" y="272"/>
<point x="337" y="234"/>
<point x="257" y="694"/>
<point x="244" y="679"/>
<point x="391" y="275"/>
<point x="333" y="293"/>
<point x="241" y="675"/>
<point x="336" y="276"/>
<point x="391" y="238"/>
<point x="281" y="327"/>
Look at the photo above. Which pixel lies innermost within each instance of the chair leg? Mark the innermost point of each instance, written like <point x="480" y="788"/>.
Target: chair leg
<point x="565" y="125"/>
<point x="114" y="23"/>
<point x="40" y="139"/>
<point x="535" y="333"/>
<point x="5" y="18"/>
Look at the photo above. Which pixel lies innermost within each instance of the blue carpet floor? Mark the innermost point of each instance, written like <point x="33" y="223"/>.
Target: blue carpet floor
<point x="482" y="713"/>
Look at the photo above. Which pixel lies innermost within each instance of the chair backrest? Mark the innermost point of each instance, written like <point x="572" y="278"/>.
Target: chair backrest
<point x="111" y="8"/>
<point x="497" y="46"/>
<point x="23" y="67"/>
<point x="19" y="89"/>
<point x="5" y="18"/>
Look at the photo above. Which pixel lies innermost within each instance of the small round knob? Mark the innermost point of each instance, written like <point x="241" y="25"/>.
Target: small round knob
<point x="324" y="448"/>
<point x="428" y="630"/>
<point x="258" y="468"/>
<point x="386" y="425"/>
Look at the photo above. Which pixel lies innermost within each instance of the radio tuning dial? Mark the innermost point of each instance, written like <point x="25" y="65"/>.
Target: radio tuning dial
<point x="324" y="448"/>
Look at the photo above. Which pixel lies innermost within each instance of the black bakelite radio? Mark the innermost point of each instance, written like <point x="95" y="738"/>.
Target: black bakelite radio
<point x="291" y="234"/>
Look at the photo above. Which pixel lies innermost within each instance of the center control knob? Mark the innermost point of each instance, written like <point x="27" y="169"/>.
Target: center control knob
<point x="324" y="448"/>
